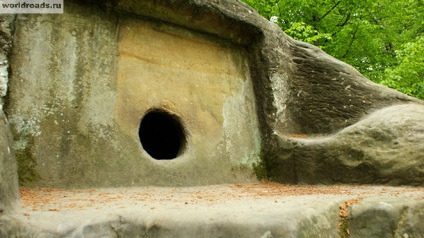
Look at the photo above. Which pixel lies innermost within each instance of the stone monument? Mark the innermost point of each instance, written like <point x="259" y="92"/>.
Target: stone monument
<point x="125" y="93"/>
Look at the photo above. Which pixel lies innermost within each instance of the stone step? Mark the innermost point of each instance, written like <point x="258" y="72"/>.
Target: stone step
<point x="233" y="210"/>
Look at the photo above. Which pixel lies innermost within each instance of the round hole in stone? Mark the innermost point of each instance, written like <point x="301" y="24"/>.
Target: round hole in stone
<point x="162" y="135"/>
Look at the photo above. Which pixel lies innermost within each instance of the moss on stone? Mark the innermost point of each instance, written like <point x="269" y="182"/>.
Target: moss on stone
<point x="261" y="170"/>
<point x="344" y="227"/>
<point x="27" y="163"/>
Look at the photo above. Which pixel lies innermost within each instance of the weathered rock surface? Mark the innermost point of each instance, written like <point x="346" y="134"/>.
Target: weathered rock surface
<point x="221" y="211"/>
<point x="82" y="81"/>
<point x="8" y="171"/>
<point x="388" y="217"/>
<point x="9" y="192"/>
<point x="240" y="86"/>
<point x="6" y="31"/>
<point x="385" y="147"/>
<point x="265" y="220"/>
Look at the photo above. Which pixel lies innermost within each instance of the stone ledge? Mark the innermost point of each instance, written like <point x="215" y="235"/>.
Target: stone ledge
<point x="235" y="210"/>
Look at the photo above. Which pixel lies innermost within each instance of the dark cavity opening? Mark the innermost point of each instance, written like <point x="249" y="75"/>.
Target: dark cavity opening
<point x="162" y="135"/>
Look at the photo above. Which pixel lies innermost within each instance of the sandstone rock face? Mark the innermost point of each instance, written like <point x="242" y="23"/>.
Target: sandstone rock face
<point x="386" y="218"/>
<point x="238" y="86"/>
<point x="9" y="192"/>
<point x="320" y="98"/>
<point x="385" y="147"/>
<point x="83" y="81"/>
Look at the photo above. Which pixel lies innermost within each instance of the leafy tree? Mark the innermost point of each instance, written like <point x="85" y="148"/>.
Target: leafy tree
<point x="407" y="75"/>
<point x="383" y="39"/>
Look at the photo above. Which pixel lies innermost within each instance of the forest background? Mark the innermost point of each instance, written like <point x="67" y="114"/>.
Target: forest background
<point x="383" y="39"/>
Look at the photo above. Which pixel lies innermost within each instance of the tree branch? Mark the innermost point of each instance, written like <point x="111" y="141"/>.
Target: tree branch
<point x="329" y="11"/>
<point x="351" y="41"/>
<point x="345" y="21"/>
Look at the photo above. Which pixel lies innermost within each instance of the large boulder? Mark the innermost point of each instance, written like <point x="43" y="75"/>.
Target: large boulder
<point x="385" y="147"/>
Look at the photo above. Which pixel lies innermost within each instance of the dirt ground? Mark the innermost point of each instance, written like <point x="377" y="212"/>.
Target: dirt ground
<point x="54" y="200"/>
<point x="262" y="205"/>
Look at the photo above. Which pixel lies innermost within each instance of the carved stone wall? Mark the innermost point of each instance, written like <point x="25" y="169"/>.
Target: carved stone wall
<point x="82" y="82"/>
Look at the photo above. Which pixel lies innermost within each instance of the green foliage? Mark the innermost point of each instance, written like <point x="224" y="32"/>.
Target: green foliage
<point x="382" y="39"/>
<point x="407" y="75"/>
<point x="303" y="32"/>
